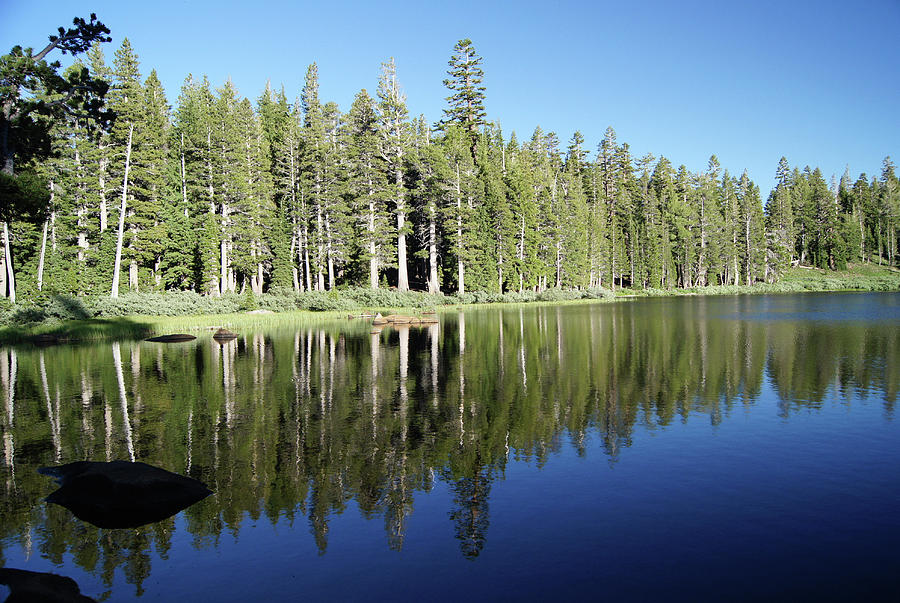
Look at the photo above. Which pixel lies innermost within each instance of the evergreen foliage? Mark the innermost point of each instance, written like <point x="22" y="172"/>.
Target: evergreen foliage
<point x="224" y="196"/>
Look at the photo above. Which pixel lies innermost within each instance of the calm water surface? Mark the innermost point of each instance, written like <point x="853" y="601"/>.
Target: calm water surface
<point x="697" y="448"/>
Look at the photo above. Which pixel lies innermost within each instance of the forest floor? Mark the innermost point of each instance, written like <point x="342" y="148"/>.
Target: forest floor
<point x="54" y="329"/>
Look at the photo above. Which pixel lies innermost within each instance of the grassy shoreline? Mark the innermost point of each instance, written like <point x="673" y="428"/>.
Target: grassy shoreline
<point x="138" y="326"/>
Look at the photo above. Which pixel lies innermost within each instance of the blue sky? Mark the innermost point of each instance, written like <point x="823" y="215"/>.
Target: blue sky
<point x="816" y="82"/>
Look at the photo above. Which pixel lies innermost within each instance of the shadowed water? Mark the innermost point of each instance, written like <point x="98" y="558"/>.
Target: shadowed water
<point x="726" y="448"/>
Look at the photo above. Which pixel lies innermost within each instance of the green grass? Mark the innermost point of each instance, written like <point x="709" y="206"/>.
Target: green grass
<point x="862" y="277"/>
<point x="137" y="316"/>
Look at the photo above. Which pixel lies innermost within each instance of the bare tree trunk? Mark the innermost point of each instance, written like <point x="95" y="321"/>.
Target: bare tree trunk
<point x="101" y="178"/>
<point x="460" y="267"/>
<point x="747" y="250"/>
<point x="402" y="275"/>
<point x="7" y="256"/>
<point x="499" y="263"/>
<point x="184" y="198"/>
<point x="329" y="251"/>
<point x="3" y="271"/>
<point x="558" y="263"/>
<point x="118" y="263"/>
<point x="223" y="251"/>
<point x="133" y="276"/>
<point x="320" y="249"/>
<point x="40" y="272"/>
<point x="701" y="260"/>
<point x="433" y="285"/>
<point x="373" y="248"/>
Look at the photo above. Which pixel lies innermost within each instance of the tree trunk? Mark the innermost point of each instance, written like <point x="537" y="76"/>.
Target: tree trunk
<point x="184" y="198"/>
<point x="402" y="274"/>
<point x="329" y="251"/>
<point x="499" y="263"/>
<point x="558" y="263"/>
<point x="521" y="251"/>
<point x="133" y="276"/>
<point x="460" y="268"/>
<point x="101" y="178"/>
<point x="118" y="263"/>
<point x="373" y="249"/>
<point x="7" y="256"/>
<point x="433" y="285"/>
<point x="40" y="271"/>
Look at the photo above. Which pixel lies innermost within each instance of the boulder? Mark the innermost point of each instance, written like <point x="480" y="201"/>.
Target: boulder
<point x="174" y="338"/>
<point x="39" y="586"/>
<point x="122" y="494"/>
<point x="224" y="335"/>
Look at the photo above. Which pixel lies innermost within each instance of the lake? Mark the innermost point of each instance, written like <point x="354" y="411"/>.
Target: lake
<point x="694" y="448"/>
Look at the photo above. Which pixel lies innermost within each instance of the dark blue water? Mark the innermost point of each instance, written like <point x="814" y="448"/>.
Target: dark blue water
<point x="681" y="449"/>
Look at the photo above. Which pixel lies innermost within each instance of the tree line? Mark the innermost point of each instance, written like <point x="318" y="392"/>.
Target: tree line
<point x="219" y="194"/>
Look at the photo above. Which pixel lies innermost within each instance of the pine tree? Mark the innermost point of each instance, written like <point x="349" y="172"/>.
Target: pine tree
<point x="313" y="177"/>
<point x="125" y="100"/>
<point x="780" y="219"/>
<point x="500" y="228"/>
<point x="730" y="220"/>
<point x="661" y="198"/>
<point x="572" y="261"/>
<point x="394" y="131"/>
<point x="467" y="94"/>
<point x="457" y="213"/>
<point x="286" y="174"/>
<point x="367" y="188"/>
<point x="337" y="219"/>
<point x="278" y="126"/>
<point x="523" y="209"/>
<point x="752" y="237"/>
<point x="193" y="138"/>
<point x="889" y="210"/>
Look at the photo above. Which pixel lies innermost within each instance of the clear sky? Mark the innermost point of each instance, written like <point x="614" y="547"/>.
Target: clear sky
<point x="817" y="82"/>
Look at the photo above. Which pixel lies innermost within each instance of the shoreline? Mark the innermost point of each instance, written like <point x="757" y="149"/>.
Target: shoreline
<point x="861" y="278"/>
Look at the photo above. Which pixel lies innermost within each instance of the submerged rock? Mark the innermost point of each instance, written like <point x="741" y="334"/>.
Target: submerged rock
<point x="172" y="338"/>
<point x="45" y="339"/>
<point x="399" y="319"/>
<point x="224" y="335"/>
<point x="121" y="494"/>
<point x="38" y="586"/>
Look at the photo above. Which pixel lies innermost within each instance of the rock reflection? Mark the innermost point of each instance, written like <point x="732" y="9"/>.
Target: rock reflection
<point x="122" y="494"/>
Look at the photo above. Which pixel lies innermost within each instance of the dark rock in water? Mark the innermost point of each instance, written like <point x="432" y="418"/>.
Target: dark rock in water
<point x="224" y="335"/>
<point x="121" y="494"/>
<point x="38" y="586"/>
<point x="172" y="338"/>
<point x="45" y="339"/>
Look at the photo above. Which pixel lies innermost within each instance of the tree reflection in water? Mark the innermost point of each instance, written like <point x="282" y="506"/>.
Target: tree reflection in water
<point x="289" y="424"/>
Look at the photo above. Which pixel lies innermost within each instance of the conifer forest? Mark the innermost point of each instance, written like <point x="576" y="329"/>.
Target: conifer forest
<point x="217" y="193"/>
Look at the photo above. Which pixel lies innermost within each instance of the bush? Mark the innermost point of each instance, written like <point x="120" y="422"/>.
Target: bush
<point x="174" y="303"/>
